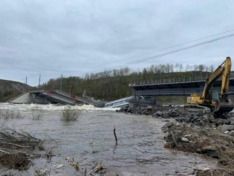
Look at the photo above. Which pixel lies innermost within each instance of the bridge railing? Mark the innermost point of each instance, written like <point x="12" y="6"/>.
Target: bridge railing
<point x="169" y="81"/>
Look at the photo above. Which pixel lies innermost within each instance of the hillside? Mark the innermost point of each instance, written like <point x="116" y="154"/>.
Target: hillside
<point x="10" y="89"/>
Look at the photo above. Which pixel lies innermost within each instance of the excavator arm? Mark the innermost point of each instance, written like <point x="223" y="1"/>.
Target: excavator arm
<point x="226" y="76"/>
<point x="222" y="71"/>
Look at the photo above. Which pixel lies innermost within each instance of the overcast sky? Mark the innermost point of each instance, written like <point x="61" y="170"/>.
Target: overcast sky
<point x="74" y="37"/>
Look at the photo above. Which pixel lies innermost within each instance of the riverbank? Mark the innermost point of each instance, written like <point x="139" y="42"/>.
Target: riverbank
<point x="205" y="141"/>
<point x="196" y="130"/>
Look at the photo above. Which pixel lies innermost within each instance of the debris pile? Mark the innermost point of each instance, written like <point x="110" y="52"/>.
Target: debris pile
<point x="207" y="141"/>
<point x="18" y="148"/>
<point x="134" y="109"/>
<point x="156" y="111"/>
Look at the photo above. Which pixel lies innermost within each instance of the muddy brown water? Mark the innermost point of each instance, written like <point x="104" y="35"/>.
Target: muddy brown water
<point x="90" y="139"/>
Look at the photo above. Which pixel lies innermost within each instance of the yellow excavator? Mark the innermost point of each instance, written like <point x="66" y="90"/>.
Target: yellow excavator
<point x="219" y="104"/>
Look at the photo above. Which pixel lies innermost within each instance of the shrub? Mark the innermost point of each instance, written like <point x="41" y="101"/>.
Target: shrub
<point x="69" y="114"/>
<point x="10" y="114"/>
<point x="36" y="114"/>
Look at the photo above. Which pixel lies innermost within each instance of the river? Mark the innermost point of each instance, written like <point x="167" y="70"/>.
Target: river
<point x="90" y="139"/>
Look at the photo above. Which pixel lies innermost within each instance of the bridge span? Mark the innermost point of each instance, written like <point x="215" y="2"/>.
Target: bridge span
<point x="175" y="88"/>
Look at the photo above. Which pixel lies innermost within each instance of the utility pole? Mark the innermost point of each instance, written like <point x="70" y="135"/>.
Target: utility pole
<point x="26" y="80"/>
<point x="39" y="81"/>
<point x="61" y="83"/>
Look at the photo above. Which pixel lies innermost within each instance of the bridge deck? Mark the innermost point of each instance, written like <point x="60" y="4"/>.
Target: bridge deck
<point x="176" y="88"/>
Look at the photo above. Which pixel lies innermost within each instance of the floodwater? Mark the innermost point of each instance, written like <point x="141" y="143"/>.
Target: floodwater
<point x="90" y="139"/>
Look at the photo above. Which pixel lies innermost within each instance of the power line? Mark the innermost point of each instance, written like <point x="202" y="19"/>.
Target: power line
<point x="198" y="39"/>
<point x="184" y="48"/>
<point x="185" y="44"/>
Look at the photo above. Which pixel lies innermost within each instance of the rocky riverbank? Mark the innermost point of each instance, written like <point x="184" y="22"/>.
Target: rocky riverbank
<point x="196" y="130"/>
<point x="194" y="116"/>
<point x="206" y="141"/>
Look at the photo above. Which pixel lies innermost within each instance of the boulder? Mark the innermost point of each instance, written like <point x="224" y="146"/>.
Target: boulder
<point x="210" y="151"/>
<point x="184" y="139"/>
<point x="167" y="126"/>
<point x="225" y="128"/>
<point x="231" y="133"/>
<point x="158" y="114"/>
<point x="173" y="113"/>
<point x="231" y="121"/>
<point x="220" y="121"/>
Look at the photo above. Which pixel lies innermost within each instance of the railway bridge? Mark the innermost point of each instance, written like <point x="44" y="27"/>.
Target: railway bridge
<point x="185" y="88"/>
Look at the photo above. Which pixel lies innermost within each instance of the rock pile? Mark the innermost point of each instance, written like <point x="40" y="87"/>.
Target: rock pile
<point x="195" y="116"/>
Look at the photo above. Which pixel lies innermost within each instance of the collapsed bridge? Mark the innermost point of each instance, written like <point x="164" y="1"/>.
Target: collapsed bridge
<point x="47" y="97"/>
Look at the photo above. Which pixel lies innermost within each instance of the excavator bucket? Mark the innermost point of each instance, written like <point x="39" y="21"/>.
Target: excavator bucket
<point x="222" y="108"/>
